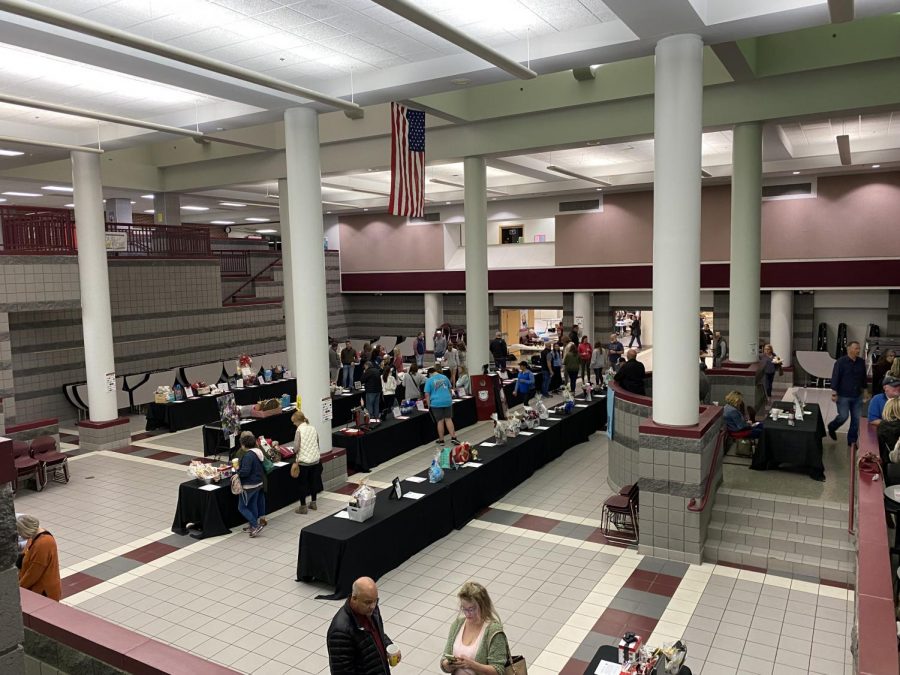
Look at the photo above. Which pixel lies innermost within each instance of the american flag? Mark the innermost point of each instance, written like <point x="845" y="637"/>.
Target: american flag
<point x="407" y="161"/>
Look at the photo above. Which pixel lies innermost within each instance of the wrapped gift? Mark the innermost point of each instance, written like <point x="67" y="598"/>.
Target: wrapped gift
<point x="163" y="395"/>
<point x="629" y="647"/>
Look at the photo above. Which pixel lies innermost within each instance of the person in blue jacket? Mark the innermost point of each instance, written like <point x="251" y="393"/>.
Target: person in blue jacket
<point x="251" y="473"/>
<point x="524" y="383"/>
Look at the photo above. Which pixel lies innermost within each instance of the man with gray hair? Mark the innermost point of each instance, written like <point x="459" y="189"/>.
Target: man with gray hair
<point x="357" y="643"/>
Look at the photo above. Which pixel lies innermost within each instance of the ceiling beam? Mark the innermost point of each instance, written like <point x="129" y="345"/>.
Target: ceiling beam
<point x="734" y="60"/>
<point x="514" y="167"/>
<point x="47" y="144"/>
<point x="843" y="144"/>
<point x="102" y="32"/>
<point x="840" y="11"/>
<point x="441" y="28"/>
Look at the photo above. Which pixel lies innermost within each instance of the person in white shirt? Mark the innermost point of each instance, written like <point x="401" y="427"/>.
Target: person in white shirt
<point x="308" y="460"/>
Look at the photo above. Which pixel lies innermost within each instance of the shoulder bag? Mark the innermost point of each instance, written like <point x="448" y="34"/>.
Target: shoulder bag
<point x="515" y="665"/>
<point x="236" y="487"/>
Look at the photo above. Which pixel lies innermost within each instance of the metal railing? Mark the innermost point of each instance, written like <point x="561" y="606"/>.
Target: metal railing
<point x="234" y="263"/>
<point x="231" y="297"/>
<point x="711" y="476"/>
<point x="35" y="231"/>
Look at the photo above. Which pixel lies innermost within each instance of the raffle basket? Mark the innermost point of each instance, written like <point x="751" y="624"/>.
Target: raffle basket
<point x="361" y="513"/>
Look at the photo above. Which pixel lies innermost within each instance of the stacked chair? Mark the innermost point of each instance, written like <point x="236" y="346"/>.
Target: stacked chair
<point x="41" y="460"/>
<point x="619" y="520"/>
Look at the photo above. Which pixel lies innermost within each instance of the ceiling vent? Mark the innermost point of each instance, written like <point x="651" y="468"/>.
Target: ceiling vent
<point x="581" y="206"/>
<point x="427" y="218"/>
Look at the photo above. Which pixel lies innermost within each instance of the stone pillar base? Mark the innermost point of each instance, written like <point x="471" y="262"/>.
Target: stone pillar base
<point x="675" y="463"/>
<point x="109" y="435"/>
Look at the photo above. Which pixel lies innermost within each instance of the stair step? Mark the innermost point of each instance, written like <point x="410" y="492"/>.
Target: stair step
<point x="781" y="504"/>
<point x="780" y="562"/>
<point x="831" y="549"/>
<point x="793" y="524"/>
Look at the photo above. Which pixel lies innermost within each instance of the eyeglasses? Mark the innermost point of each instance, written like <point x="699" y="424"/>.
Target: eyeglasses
<point x="470" y="611"/>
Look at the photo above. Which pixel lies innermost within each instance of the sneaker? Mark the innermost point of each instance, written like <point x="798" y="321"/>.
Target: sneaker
<point x="831" y="434"/>
<point x="314" y="506"/>
<point x="454" y="439"/>
<point x="440" y="442"/>
<point x="254" y="532"/>
<point x="263" y="521"/>
<point x="301" y="508"/>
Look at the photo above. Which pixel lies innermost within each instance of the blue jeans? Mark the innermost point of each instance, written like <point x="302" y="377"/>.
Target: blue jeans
<point x="847" y="406"/>
<point x="347" y="375"/>
<point x="545" y="383"/>
<point x="420" y="360"/>
<point x="248" y="505"/>
<point x="373" y="401"/>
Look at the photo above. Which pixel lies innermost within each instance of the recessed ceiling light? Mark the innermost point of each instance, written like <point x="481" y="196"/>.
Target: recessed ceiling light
<point x="130" y="202"/>
<point x="57" y="188"/>
<point x="796" y="173"/>
<point x="69" y="206"/>
<point x="146" y="196"/>
<point x="221" y="222"/>
<point x="599" y="189"/>
<point x="365" y="209"/>
<point x="2" y="199"/>
<point x="267" y="231"/>
<point x="10" y="153"/>
<point x="231" y="204"/>
<point x="149" y="211"/>
<point x="447" y="202"/>
<point x="23" y="194"/>
<point x="257" y="220"/>
<point x="461" y="81"/>
<point x="370" y="169"/>
<point x="876" y="166"/>
<point x="328" y="212"/>
<point x="195" y="208"/>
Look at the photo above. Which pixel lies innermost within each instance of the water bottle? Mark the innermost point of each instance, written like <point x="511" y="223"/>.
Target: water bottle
<point x="326" y="243"/>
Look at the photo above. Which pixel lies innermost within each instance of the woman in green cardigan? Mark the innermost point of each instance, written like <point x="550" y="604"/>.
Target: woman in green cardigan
<point x="477" y="644"/>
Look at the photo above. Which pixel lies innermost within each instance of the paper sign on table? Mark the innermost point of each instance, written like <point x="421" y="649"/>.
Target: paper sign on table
<point x="413" y="495"/>
<point x="581" y="405"/>
<point x="488" y="445"/>
<point x="473" y="465"/>
<point x="553" y="419"/>
<point x="542" y="428"/>
<point x="416" y="479"/>
<point x="401" y="417"/>
<point x="526" y="433"/>
<point x="210" y="487"/>
<point x="189" y="392"/>
<point x="342" y="514"/>
<point x="608" y="668"/>
<point x="280" y="463"/>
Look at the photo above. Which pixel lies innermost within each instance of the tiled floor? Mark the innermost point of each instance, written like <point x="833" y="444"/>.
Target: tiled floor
<point x="560" y="588"/>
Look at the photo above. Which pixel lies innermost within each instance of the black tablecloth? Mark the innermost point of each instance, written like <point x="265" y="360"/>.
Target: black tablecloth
<point x="205" y="409"/>
<point x="277" y="427"/>
<point x="799" y="445"/>
<point x="394" y="437"/>
<point x="214" y="512"/>
<point x="338" y="551"/>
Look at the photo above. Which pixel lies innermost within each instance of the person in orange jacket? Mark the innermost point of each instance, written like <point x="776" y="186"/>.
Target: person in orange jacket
<point x="39" y="571"/>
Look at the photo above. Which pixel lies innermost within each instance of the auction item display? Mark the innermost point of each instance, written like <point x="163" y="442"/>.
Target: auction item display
<point x="209" y="473"/>
<point x="201" y="388"/>
<point x="266" y="408"/>
<point x="362" y="506"/>
<point x="163" y="395"/>
<point x="635" y="658"/>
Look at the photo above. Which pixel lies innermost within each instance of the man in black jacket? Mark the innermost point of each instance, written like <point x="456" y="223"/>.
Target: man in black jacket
<point x="630" y="375"/>
<point x="357" y="643"/>
<point x="499" y="350"/>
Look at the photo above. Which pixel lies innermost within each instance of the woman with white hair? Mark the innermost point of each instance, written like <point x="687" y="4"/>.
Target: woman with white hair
<point x="39" y="572"/>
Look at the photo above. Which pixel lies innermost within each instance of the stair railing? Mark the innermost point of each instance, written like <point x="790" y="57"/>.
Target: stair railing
<point x="230" y="296"/>
<point x="692" y="505"/>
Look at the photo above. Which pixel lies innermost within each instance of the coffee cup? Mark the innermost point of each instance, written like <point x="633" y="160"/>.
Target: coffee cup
<point x="393" y="654"/>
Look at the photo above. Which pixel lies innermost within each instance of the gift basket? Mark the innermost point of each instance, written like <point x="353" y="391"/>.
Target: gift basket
<point x="636" y="659"/>
<point x="568" y="404"/>
<point x="362" y="506"/>
<point x="266" y="408"/>
<point x="278" y="372"/>
<point x="163" y="395"/>
<point x="360" y="417"/>
<point x="203" y="471"/>
<point x="461" y="453"/>
<point x="500" y="429"/>
<point x="200" y="388"/>
<point x="435" y="472"/>
<point x="530" y="418"/>
<point x="245" y="370"/>
<point x="541" y="407"/>
<point x="408" y="406"/>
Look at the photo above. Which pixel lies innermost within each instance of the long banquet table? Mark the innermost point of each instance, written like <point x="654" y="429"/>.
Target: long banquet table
<point x="337" y="551"/>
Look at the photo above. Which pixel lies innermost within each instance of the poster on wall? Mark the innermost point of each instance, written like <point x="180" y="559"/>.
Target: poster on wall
<point x="327" y="409"/>
<point x="579" y="321"/>
<point x="116" y="241"/>
<point x="110" y="382"/>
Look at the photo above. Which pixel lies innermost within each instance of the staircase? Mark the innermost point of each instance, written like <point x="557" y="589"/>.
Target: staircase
<point x="251" y="277"/>
<point x="783" y="535"/>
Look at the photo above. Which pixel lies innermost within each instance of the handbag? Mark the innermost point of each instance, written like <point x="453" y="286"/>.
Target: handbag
<point x="295" y="470"/>
<point x="236" y="487"/>
<point x="515" y="665"/>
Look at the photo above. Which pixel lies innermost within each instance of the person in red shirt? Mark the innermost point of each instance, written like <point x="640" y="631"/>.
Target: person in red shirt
<point x="584" y="354"/>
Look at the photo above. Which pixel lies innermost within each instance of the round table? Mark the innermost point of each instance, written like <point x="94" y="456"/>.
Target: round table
<point x="892" y="492"/>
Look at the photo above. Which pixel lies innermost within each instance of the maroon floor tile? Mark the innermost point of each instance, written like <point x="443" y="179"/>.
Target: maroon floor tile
<point x="141" y="436"/>
<point x="644" y="574"/>
<point x="598" y="537"/>
<point x="165" y="454"/>
<point x="574" y="667"/>
<point x="77" y="582"/>
<point x="347" y="489"/>
<point x="611" y="620"/>
<point x="68" y="438"/>
<point x="638" y="584"/>
<point x="640" y="625"/>
<point x="667" y="590"/>
<point x="150" y="552"/>
<point x="128" y="449"/>
<point x="837" y="584"/>
<point x="483" y="511"/>
<point x="536" y="523"/>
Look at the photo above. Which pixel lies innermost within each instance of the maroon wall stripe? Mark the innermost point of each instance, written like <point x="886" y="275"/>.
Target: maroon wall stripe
<point x="790" y="275"/>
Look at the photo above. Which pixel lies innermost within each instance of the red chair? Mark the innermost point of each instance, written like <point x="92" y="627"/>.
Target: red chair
<point x="744" y="446"/>
<point x="619" y="520"/>
<point x="27" y="466"/>
<point x="56" y="464"/>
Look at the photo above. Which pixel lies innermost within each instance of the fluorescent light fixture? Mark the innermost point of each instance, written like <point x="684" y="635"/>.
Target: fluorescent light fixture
<point x="2" y="199"/>
<point x="130" y="202"/>
<point x="447" y="202"/>
<point x="441" y="181"/>
<point x="57" y="188"/>
<point x="149" y="211"/>
<point x="267" y="231"/>
<point x="146" y="196"/>
<point x="221" y="222"/>
<point x="876" y="166"/>
<point x="796" y="173"/>
<point x="349" y="206"/>
<point x="257" y="220"/>
<point x="347" y="188"/>
<point x="195" y="208"/>
<point x="231" y="204"/>
<point x="573" y="174"/>
<point x="10" y="153"/>
<point x="705" y="174"/>
<point x="69" y="206"/>
<point x="843" y="143"/>
<point x="23" y="194"/>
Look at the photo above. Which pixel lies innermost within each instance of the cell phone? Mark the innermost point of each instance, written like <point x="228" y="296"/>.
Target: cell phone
<point x="450" y="658"/>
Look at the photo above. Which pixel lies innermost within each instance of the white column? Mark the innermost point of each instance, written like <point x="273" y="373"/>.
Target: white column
<point x="746" y="203"/>
<point x="286" y="276"/>
<point x="434" y="316"/>
<point x="96" y="315"/>
<point x="304" y="255"/>
<point x="167" y="208"/>
<point x="676" y="229"/>
<point x="475" y="214"/>
<point x="782" y="324"/>
<point x="583" y="309"/>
